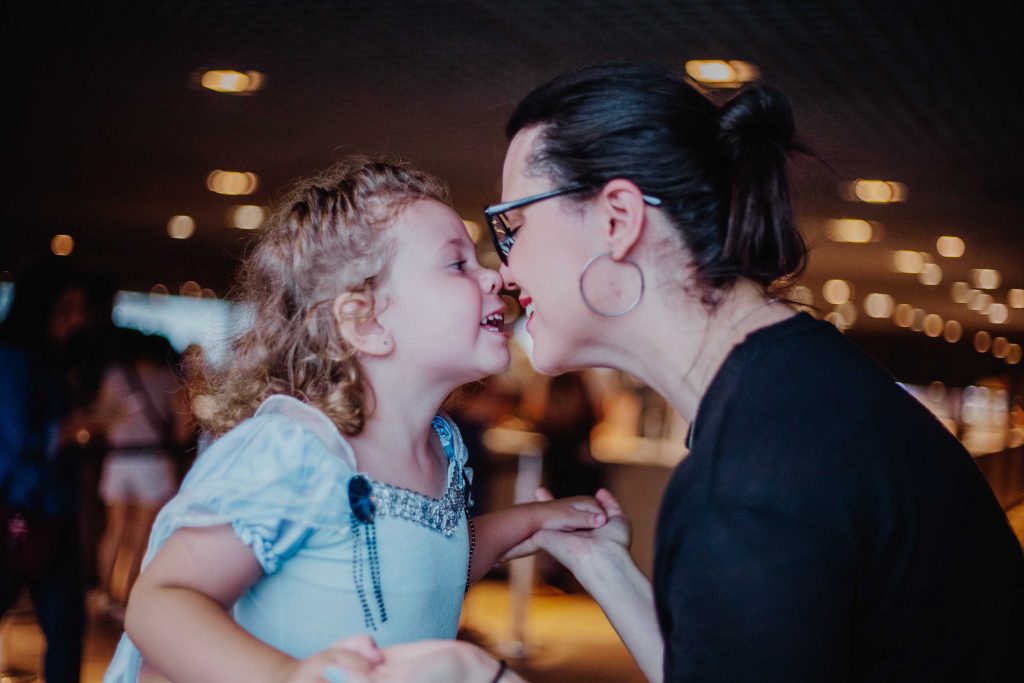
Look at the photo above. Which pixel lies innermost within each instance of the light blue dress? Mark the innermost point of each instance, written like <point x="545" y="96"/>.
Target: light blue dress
<point x="281" y="480"/>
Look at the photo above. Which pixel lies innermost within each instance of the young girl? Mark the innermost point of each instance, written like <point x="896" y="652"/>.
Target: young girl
<point x="332" y="502"/>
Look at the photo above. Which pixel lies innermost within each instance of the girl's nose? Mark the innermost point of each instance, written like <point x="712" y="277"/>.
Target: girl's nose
<point x="491" y="281"/>
<point x="506" y="276"/>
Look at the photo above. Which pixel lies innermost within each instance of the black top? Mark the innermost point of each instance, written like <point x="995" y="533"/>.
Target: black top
<point x="826" y="527"/>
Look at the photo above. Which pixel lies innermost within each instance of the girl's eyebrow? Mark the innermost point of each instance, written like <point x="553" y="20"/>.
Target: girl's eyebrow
<point x="452" y="242"/>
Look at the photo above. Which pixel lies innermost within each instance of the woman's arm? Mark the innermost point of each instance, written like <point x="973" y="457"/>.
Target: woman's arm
<point x="498" y="533"/>
<point x="601" y="562"/>
<point x="178" y="615"/>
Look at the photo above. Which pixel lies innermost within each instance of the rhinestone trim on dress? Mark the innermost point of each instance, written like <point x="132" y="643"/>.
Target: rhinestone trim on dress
<point x="441" y="515"/>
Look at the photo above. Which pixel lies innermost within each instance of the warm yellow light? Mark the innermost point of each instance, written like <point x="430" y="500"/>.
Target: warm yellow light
<point x="950" y="246"/>
<point x="930" y="274"/>
<point x="247" y="216"/>
<point x="953" y="331"/>
<point x="1013" y="354"/>
<point x="982" y="341"/>
<point x="836" y="291"/>
<point x="979" y="302"/>
<point x="1015" y="298"/>
<point x="62" y="245"/>
<point x="960" y="292"/>
<point x="181" y="227"/>
<point x="473" y="228"/>
<point x="232" y="182"/>
<point x="228" y="81"/>
<point x="906" y="261"/>
<point x="918" y="323"/>
<point x="852" y="230"/>
<point x="932" y="325"/>
<point x="904" y="315"/>
<point x="998" y="313"/>
<point x="1000" y="347"/>
<point x="986" y="278"/>
<point x="875" y="191"/>
<point x="720" y="73"/>
<point x="158" y="290"/>
<point x="879" y="305"/>
<point x="190" y="288"/>
<point x="848" y="312"/>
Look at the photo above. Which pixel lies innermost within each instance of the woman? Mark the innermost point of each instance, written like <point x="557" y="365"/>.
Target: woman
<point x="824" y="526"/>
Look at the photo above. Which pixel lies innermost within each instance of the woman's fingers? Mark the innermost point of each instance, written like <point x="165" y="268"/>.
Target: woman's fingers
<point x="609" y="502"/>
<point x="543" y="495"/>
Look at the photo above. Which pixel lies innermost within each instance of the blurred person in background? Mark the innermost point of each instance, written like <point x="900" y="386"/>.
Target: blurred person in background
<point x="38" y="475"/>
<point x="824" y="526"/>
<point x="142" y="402"/>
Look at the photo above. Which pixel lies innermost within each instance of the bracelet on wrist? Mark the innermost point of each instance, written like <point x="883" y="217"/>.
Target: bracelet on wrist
<point x="502" y="667"/>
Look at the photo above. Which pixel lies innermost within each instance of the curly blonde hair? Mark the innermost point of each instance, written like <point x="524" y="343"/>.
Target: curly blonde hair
<point x="329" y="236"/>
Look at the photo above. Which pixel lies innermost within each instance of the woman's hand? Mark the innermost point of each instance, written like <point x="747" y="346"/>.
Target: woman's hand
<point x="351" y="660"/>
<point x="578" y="548"/>
<point x="563" y="514"/>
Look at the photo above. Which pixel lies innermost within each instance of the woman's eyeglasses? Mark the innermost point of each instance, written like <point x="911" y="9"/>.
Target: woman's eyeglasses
<point x="502" y="233"/>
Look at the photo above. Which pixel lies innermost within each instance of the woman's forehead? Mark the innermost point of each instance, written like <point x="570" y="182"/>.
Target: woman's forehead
<point x="515" y="176"/>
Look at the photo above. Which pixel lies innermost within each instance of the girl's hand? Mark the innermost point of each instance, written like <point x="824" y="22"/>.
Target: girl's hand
<point x="564" y="514"/>
<point x="438" y="661"/>
<point x="576" y="549"/>
<point x="351" y="660"/>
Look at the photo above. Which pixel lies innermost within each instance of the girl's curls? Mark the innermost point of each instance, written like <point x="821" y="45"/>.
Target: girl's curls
<point x="329" y="236"/>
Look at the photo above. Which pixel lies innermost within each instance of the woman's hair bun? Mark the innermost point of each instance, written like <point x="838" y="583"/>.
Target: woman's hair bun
<point x="754" y="117"/>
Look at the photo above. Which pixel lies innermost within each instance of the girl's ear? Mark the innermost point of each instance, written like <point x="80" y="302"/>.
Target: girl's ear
<point x="358" y="324"/>
<point x="624" y="214"/>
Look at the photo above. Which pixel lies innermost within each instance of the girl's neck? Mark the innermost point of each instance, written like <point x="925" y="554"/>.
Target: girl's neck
<point x="397" y="445"/>
<point x="678" y="352"/>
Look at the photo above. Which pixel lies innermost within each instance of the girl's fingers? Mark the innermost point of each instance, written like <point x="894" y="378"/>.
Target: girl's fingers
<point x="610" y="503"/>
<point x="363" y="645"/>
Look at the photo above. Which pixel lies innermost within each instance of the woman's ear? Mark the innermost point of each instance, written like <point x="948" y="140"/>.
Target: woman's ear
<point x="624" y="217"/>
<point x="355" y="315"/>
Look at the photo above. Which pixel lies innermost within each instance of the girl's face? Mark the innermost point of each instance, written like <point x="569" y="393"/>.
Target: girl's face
<point x="441" y="306"/>
<point x="551" y="247"/>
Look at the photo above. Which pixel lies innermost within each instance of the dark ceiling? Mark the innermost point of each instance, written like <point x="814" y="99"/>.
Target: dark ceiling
<point x="110" y="136"/>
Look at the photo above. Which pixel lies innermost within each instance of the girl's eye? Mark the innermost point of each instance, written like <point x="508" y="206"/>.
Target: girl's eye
<point x="460" y="265"/>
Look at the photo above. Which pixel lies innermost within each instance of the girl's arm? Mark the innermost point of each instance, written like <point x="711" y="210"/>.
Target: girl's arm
<point x="178" y="617"/>
<point x="498" y="533"/>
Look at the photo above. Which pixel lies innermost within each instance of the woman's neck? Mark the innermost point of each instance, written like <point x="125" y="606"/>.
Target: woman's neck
<point x="678" y="349"/>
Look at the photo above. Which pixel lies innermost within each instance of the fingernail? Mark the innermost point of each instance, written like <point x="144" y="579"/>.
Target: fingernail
<point x="333" y="674"/>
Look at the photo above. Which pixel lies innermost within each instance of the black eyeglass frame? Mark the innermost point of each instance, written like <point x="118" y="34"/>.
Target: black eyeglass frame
<point x="495" y="212"/>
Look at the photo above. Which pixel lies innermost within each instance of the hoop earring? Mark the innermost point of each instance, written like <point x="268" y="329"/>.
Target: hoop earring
<point x="583" y="287"/>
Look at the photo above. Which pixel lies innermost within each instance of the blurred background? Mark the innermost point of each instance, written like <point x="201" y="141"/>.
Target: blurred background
<point x="146" y="141"/>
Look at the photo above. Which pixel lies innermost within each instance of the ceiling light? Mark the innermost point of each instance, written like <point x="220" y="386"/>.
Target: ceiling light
<point x="874" y="191"/>
<point x="982" y="341"/>
<point x="1013" y="354"/>
<point x="836" y="291"/>
<point x="190" y="288"/>
<point x="62" y="245"/>
<point x="1000" y="347"/>
<point x="228" y="81"/>
<point x="918" y="323"/>
<point x="247" y="216"/>
<point x="720" y="73"/>
<point x="986" y="278"/>
<point x="904" y="315"/>
<point x="998" y="313"/>
<point x="851" y="230"/>
<point x="953" y="331"/>
<point x="930" y="274"/>
<point x="933" y="325"/>
<point x="959" y="292"/>
<point x="181" y="227"/>
<point x="232" y="182"/>
<point x="950" y="246"/>
<point x="802" y="294"/>
<point x="980" y="302"/>
<point x="906" y="261"/>
<point x="879" y="305"/>
<point x="848" y="312"/>
<point x="1015" y="298"/>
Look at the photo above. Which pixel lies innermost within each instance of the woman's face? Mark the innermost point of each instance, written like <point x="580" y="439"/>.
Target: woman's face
<point x="552" y="243"/>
